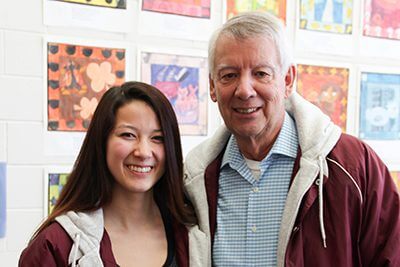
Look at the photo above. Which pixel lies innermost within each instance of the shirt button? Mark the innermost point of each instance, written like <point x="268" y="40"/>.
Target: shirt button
<point x="254" y="229"/>
<point x="295" y="229"/>
<point x="255" y="189"/>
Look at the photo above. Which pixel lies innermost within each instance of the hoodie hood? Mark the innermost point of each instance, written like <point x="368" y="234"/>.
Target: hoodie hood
<point x="86" y="230"/>
<point x="317" y="133"/>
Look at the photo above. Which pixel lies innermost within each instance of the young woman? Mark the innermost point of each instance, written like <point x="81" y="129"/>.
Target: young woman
<point x="124" y="195"/>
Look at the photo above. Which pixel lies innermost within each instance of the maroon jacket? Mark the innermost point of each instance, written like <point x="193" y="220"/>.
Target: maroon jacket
<point x="52" y="248"/>
<point x="361" y="211"/>
<point x="53" y="245"/>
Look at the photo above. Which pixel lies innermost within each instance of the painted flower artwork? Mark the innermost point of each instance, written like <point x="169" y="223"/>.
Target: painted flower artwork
<point x="77" y="78"/>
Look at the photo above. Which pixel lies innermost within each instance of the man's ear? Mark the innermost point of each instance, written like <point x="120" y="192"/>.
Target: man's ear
<point x="290" y="77"/>
<point x="212" y="89"/>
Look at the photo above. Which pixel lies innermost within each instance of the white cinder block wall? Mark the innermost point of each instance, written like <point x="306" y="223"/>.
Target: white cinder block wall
<point x="22" y="99"/>
<point x="23" y="96"/>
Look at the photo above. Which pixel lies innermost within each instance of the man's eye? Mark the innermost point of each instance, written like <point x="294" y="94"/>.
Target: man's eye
<point x="228" y="77"/>
<point x="263" y="74"/>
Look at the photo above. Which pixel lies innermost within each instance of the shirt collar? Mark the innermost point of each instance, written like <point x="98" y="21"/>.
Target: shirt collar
<point x="286" y="144"/>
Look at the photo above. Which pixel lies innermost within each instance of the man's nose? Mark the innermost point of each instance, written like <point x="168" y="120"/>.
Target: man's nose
<point x="245" y="87"/>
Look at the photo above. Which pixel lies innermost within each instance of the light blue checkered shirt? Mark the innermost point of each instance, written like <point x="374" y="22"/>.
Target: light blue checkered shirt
<point x="249" y="211"/>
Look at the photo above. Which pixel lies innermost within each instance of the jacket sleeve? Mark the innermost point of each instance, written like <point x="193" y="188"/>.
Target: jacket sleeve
<point x="380" y="233"/>
<point x="50" y="248"/>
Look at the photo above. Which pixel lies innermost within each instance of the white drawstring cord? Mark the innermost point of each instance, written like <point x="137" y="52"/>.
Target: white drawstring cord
<point x="321" y="201"/>
<point x="76" y="244"/>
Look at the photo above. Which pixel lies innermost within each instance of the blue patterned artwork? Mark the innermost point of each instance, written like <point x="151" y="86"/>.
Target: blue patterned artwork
<point x="380" y="106"/>
<point x="3" y="212"/>
<point x="182" y="79"/>
<point x="327" y="15"/>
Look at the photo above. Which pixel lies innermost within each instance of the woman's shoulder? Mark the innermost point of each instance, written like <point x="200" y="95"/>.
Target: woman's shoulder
<point x="50" y="247"/>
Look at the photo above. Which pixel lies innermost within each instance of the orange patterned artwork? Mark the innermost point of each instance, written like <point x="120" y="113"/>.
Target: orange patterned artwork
<point x="77" y="78"/>
<point x="276" y="7"/>
<point x="327" y="88"/>
<point x="396" y="178"/>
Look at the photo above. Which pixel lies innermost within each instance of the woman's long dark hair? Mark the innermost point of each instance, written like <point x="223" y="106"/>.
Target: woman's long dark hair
<point x="89" y="186"/>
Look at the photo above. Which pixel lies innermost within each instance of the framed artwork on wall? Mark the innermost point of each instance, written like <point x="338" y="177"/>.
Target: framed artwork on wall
<point x="276" y="7"/>
<point x="189" y="20"/>
<point x="382" y="19"/>
<point x="102" y="3"/>
<point x="54" y="180"/>
<point x="77" y="78"/>
<point x="183" y="79"/>
<point x="77" y="72"/>
<point x="3" y="198"/>
<point x="327" y="88"/>
<point x="396" y="177"/>
<point x="197" y="9"/>
<point x="379" y="106"/>
<point x="334" y="16"/>
<point x="103" y="15"/>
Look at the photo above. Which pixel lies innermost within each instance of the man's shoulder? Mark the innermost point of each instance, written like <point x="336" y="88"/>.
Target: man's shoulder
<point x="203" y="154"/>
<point x="355" y="157"/>
<point x="348" y="146"/>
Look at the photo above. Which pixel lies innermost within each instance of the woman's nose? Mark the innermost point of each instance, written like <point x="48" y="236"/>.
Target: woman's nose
<point x="142" y="149"/>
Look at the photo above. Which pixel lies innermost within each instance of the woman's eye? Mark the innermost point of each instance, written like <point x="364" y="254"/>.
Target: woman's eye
<point x="127" y="135"/>
<point x="158" y="138"/>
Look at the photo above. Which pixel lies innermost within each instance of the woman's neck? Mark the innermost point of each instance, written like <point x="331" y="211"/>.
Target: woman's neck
<point x="133" y="210"/>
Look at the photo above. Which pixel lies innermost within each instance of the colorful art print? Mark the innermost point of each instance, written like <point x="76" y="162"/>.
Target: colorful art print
<point x="333" y="16"/>
<point x="382" y="19"/>
<point x="103" y="3"/>
<point x="380" y="106"/>
<point x="183" y="79"/>
<point x="396" y="177"/>
<point x="327" y="88"/>
<point x="56" y="182"/>
<point x="276" y="7"/>
<point x="191" y="8"/>
<point x="3" y="199"/>
<point x="78" y="76"/>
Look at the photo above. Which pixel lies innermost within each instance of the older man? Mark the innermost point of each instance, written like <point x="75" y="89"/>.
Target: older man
<point x="279" y="184"/>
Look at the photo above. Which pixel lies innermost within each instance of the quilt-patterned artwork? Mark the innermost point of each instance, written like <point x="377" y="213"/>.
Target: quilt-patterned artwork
<point x="396" y="178"/>
<point x="55" y="185"/>
<point x="191" y="8"/>
<point x="382" y="18"/>
<point x="333" y="16"/>
<point x="380" y="106"/>
<point x="327" y="88"/>
<point x="183" y="79"/>
<point x="103" y="3"/>
<point x="276" y="7"/>
<point x="78" y="76"/>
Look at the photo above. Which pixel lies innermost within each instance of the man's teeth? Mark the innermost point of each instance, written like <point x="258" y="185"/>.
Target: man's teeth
<point x="139" y="169"/>
<point x="246" y="110"/>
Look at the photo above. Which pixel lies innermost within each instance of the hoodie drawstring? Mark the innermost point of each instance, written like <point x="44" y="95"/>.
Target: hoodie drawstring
<point x="321" y="201"/>
<point x="76" y="247"/>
